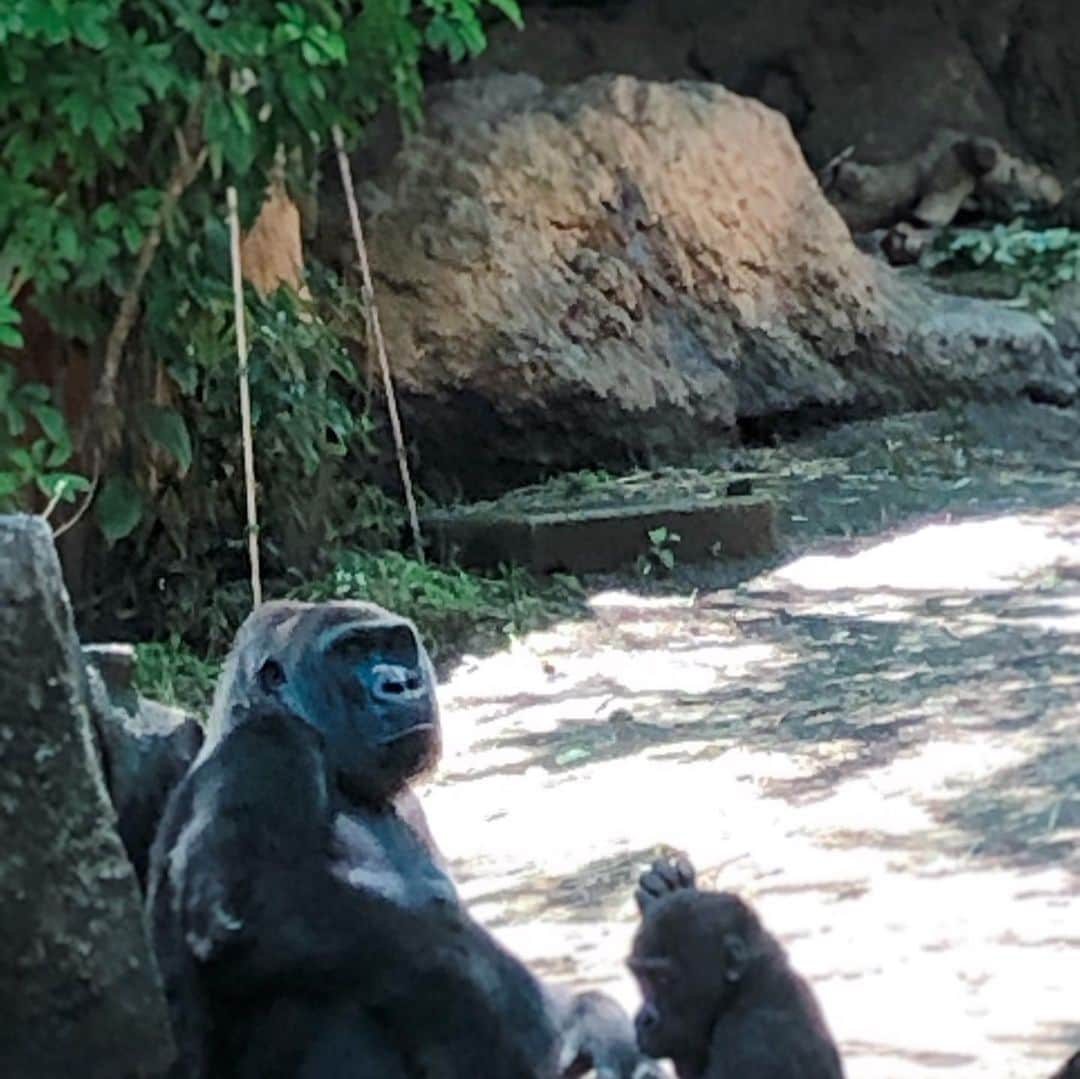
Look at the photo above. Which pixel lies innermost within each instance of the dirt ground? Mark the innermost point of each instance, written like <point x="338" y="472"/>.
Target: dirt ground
<point x="874" y="738"/>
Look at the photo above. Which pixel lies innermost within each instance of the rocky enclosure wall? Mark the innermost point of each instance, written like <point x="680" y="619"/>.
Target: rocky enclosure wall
<point x="79" y="989"/>
<point x="625" y="270"/>
<point x="879" y="76"/>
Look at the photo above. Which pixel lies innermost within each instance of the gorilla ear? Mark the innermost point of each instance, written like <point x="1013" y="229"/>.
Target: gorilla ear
<point x="271" y="676"/>
<point x="736" y="957"/>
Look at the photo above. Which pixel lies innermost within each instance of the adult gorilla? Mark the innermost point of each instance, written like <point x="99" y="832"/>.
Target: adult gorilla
<point x="304" y="922"/>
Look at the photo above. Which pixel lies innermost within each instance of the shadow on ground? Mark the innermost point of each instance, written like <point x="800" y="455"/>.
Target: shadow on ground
<point x="876" y="742"/>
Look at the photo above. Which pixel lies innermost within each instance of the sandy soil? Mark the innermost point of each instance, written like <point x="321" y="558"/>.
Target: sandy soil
<point x="874" y="739"/>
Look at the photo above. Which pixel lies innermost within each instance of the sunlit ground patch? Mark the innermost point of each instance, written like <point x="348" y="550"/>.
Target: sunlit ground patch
<point x="879" y="746"/>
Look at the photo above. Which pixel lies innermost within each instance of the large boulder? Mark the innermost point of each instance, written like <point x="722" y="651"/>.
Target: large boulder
<point x="79" y="990"/>
<point x="625" y="269"/>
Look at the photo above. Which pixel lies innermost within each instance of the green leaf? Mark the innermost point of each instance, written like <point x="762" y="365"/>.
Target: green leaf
<point x="124" y="104"/>
<point x="166" y="428"/>
<point x="286" y="33"/>
<point x="51" y="422"/>
<point x="66" y="485"/>
<point x="20" y="457"/>
<point x="60" y="453"/>
<point x="10" y="337"/>
<point x="86" y="21"/>
<point x="118" y="508"/>
<point x="106" y="217"/>
<point x="34" y="391"/>
<point x="46" y="20"/>
<point x="511" y="9"/>
<point x="133" y="236"/>
<point x="67" y="242"/>
<point x="159" y="77"/>
<point x="76" y="108"/>
<point x="101" y="126"/>
<point x="439" y="33"/>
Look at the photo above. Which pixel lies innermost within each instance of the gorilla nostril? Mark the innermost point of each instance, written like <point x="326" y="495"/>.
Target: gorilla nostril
<point x="391" y="682"/>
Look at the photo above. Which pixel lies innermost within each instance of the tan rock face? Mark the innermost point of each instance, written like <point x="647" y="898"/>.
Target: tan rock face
<point x="623" y="268"/>
<point x="271" y="253"/>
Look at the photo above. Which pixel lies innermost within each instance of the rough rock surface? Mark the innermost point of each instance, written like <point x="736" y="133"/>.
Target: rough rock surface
<point x="271" y="252"/>
<point x="79" y="990"/>
<point x="145" y="748"/>
<point x="1066" y="311"/>
<point x="629" y="269"/>
<point x="879" y="77"/>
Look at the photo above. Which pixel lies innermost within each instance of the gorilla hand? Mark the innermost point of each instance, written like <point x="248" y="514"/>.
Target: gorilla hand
<point x="598" y="1036"/>
<point x="666" y="875"/>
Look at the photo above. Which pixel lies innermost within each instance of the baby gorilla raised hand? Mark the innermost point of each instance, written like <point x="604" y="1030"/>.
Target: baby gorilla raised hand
<point x="720" y="998"/>
<point x="664" y="876"/>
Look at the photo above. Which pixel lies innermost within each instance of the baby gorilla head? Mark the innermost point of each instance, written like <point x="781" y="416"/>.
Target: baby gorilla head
<point x="719" y="996"/>
<point x="690" y="958"/>
<point x="356" y="673"/>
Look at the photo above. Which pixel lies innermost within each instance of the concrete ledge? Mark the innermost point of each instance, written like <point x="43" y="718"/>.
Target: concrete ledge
<point x="595" y="540"/>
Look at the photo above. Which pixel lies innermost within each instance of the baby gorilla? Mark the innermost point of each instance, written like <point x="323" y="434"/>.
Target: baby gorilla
<point x="1070" y="1069"/>
<point x="720" y="998"/>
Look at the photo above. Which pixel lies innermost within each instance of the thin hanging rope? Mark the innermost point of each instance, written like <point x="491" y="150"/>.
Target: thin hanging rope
<point x="245" y="399"/>
<point x="376" y="332"/>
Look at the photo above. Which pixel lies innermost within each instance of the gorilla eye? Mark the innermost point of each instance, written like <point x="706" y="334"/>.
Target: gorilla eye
<point x="271" y="676"/>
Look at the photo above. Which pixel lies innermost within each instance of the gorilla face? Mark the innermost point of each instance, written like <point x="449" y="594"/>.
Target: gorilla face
<point x="356" y="673"/>
<point x="690" y="958"/>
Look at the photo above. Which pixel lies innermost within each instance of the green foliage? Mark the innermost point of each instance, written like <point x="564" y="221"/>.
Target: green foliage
<point x="453" y="608"/>
<point x="1035" y="261"/>
<point x="118" y="508"/>
<point x="172" y="673"/>
<point x="10" y="335"/>
<point x="91" y="92"/>
<point x="165" y="427"/>
<point x="179" y="496"/>
<point x="122" y="121"/>
<point x="660" y="558"/>
<point x="34" y="446"/>
<point x="101" y="103"/>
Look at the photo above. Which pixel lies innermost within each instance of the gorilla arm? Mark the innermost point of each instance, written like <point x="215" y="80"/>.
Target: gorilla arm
<point x="409" y="809"/>
<point x="262" y="909"/>
<point x="595" y="1034"/>
<point x="250" y="875"/>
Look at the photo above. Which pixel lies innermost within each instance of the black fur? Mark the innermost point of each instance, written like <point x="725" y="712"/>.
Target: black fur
<point x="268" y="952"/>
<point x="720" y="998"/>
<point x="304" y="923"/>
<point x="1070" y="1069"/>
<point x="144" y="750"/>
